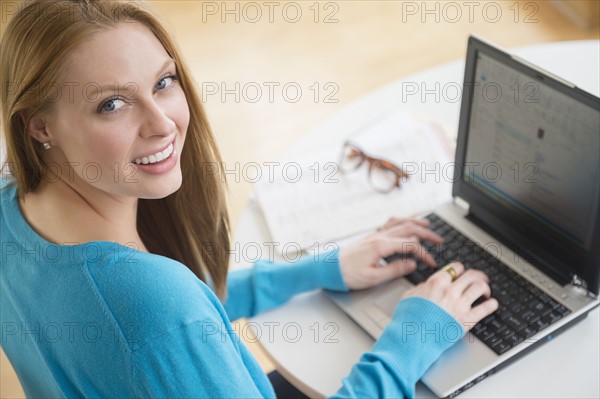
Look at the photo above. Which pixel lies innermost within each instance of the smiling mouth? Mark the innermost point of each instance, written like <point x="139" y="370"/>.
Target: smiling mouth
<point x="157" y="157"/>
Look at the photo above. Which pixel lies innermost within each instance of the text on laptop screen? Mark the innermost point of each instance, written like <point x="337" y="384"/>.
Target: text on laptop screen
<point x="535" y="150"/>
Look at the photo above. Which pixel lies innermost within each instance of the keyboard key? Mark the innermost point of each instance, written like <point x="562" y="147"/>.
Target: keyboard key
<point x="487" y="334"/>
<point x="421" y="267"/>
<point x="503" y="314"/>
<point x="435" y="224"/>
<point x="501" y="348"/>
<point x="540" y="324"/>
<point x="515" y="323"/>
<point x="517" y="307"/>
<point x="535" y="291"/>
<point x="562" y="310"/>
<point x="547" y="310"/>
<point x="452" y="234"/>
<point x="450" y="254"/>
<point x="527" y="332"/>
<point x="493" y="330"/>
<point x="507" y="333"/>
<point x="488" y="319"/>
<point x="523" y="283"/>
<point x="527" y="315"/>
<point x="492" y="340"/>
<point x="514" y="340"/>
<point x="416" y="278"/>
<point x="521" y="294"/>
<point x="538" y="307"/>
<point x="552" y="317"/>
<point x="478" y="328"/>
<point x="497" y="325"/>
<point x="554" y="305"/>
<point x="428" y="272"/>
<point x="443" y="230"/>
<point x="544" y="298"/>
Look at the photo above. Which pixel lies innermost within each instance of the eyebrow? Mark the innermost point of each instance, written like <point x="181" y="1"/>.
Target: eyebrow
<point x="115" y="87"/>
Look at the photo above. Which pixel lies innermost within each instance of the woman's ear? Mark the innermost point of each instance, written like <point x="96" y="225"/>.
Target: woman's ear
<point x="35" y="126"/>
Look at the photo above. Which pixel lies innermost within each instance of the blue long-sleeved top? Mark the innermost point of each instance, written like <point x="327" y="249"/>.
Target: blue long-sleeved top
<point x="99" y="319"/>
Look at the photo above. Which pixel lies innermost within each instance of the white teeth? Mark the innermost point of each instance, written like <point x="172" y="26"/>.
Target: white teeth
<point x="159" y="156"/>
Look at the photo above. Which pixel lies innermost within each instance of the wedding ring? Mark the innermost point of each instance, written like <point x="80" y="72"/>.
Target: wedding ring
<point x="451" y="271"/>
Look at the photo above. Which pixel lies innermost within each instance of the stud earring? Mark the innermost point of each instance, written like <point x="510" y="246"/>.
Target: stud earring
<point x="47" y="145"/>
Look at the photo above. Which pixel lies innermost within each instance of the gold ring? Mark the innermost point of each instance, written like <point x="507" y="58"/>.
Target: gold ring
<point x="451" y="271"/>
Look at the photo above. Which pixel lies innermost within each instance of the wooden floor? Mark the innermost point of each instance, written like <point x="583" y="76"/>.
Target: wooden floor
<point x="334" y="52"/>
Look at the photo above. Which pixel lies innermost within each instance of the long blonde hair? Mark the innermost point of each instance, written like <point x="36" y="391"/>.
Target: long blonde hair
<point x="193" y="222"/>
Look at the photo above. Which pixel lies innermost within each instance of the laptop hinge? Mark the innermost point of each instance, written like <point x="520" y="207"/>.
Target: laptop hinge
<point x="581" y="284"/>
<point x="462" y="203"/>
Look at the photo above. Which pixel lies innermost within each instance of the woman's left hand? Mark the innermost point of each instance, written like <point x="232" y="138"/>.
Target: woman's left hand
<point x="360" y="261"/>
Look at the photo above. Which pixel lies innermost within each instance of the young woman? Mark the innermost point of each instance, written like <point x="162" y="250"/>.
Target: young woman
<point x="115" y="244"/>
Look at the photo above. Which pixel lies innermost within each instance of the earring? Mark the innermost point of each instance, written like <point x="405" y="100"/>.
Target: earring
<point x="47" y="145"/>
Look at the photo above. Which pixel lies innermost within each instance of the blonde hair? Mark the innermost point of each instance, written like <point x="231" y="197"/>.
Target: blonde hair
<point x="193" y="222"/>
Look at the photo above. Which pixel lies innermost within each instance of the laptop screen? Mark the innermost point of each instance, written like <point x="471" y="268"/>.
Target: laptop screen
<point x="535" y="150"/>
<point x="528" y="161"/>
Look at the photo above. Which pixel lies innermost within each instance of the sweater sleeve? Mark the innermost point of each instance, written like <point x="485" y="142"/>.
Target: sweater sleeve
<point x="418" y="334"/>
<point x="201" y="356"/>
<point x="267" y="285"/>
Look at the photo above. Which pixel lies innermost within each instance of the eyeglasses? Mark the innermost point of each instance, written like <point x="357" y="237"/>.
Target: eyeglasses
<point x="384" y="176"/>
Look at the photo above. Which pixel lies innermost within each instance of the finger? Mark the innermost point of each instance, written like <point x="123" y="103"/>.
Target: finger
<point x="443" y="274"/>
<point x="394" y="221"/>
<point x="388" y="246"/>
<point x="476" y="290"/>
<point x="413" y="246"/>
<point x="417" y="230"/>
<point x="468" y="278"/>
<point x="422" y="222"/>
<point x="482" y="310"/>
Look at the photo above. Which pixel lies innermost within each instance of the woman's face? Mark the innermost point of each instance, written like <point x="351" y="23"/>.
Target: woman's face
<point x="106" y="133"/>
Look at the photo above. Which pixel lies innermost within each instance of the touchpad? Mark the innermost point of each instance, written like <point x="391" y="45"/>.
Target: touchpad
<point x="388" y="300"/>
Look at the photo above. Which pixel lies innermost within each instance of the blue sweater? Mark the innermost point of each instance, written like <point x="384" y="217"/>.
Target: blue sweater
<point x="103" y="320"/>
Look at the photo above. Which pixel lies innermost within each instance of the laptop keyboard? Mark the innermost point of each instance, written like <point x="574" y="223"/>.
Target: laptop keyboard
<point x="523" y="308"/>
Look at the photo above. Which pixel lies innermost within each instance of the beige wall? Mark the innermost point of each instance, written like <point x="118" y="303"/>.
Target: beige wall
<point x="583" y="13"/>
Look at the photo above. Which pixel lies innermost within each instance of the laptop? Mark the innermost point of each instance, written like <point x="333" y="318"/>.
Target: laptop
<point x="525" y="210"/>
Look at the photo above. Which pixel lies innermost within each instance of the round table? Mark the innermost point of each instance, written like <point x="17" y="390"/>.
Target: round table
<point x="314" y="344"/>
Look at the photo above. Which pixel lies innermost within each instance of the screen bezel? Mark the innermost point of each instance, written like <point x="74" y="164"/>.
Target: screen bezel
<point x="555" y="256"/>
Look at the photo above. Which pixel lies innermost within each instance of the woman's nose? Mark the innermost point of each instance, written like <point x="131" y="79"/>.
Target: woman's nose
<point x="156" y="121"/>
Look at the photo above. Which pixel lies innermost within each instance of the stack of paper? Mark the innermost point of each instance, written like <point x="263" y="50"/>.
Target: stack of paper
<point x="313" y="203"/>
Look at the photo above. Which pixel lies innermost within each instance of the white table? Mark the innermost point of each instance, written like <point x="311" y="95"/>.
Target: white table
<point x="314" y="344"/>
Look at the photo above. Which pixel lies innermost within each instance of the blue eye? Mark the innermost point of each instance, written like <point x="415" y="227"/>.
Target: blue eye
<point x="111" y="105"/>
<point x="166" y="82"/>
<point x="114" y="104"/>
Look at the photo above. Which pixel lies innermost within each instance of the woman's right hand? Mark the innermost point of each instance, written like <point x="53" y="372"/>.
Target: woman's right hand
<point x="457" y="297"/>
